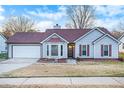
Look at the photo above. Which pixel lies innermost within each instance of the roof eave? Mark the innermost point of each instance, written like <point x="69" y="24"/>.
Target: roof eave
<point x="52" y="35"/>
<point x="105" y="36"/>
<point x="3" y="36"/>
<point x="121" y="37"/>
<point x="88" y="33"/>
<point x="22" y="43"/>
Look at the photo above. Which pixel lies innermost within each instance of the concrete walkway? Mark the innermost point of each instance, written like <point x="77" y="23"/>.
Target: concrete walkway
<point x="12" y="64"/>
<point x="64" y="81"/>
<point x="71" y="61"/>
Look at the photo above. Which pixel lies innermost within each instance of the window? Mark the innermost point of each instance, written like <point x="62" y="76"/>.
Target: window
<point x="84" y="50"/>
<point x="123" y="46"/>
<point x="105" y="51"/>
<point x="61" y="50"/>
<point x="47" y="50"/>
<point x="54" y="50"/>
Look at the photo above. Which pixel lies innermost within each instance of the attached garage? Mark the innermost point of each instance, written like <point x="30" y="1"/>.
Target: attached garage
<point x="26" y="51"/>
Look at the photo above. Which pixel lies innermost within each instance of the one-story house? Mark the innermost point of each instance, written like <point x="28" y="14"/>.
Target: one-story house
<point x="121" y="46"/>
<point x="97" y="43"/>
<point x="3" y="45"/>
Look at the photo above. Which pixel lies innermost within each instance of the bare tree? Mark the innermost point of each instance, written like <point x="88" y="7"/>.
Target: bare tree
<point x="19" y="24"/>
<point x="121" y="26"/>
<point x="81" y="16"/>
<point x="116" y="33"/>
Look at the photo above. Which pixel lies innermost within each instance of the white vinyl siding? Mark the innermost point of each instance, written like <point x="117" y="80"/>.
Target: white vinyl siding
<point x="121" y="46"/>
<point x="3" y="45"/>
<point x="106" y="41"/>
<point x="87" y="40"/>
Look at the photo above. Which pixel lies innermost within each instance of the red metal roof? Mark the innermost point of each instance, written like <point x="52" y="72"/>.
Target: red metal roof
<point x="36" y="37"/>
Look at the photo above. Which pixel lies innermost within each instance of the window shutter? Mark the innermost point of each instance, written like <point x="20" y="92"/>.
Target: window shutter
<point x="80" y="51"/>
<point x="88" y="50"/>
<point x="47" y="50"/>
<point x="110" y="50"/>
<point x="101" y="50"/>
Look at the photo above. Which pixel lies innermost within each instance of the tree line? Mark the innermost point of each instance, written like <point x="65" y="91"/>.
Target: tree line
<point x="79" y="17"/>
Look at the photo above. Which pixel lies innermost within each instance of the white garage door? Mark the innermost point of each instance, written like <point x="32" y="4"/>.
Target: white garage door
<point x="26" y="51"/>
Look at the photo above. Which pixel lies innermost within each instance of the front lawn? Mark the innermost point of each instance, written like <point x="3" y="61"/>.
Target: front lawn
<point x="80" y="69"/>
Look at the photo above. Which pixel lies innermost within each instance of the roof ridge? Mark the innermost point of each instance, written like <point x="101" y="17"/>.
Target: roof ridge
<point x="68" y="34"/>
<point x="70" y="29"/>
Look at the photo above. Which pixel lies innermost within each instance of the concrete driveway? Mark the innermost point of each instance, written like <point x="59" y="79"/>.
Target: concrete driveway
<point x="12" y="64"/>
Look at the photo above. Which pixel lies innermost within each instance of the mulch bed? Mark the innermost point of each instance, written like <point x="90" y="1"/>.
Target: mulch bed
<point x="99" y="60"/>
<point x="64" y="60"/>
<point x="45" y="60"/>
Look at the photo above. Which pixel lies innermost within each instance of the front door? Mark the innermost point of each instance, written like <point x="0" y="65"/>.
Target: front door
<point x="71" y="51"/>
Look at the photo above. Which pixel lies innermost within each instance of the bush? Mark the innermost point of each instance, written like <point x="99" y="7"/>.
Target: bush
<point x="78" y="59"/>
<point x="121" y="57"/>
<point x="3" y="56"/>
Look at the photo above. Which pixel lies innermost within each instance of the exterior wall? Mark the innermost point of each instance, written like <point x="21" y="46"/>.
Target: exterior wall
<point x="106" y="41"/>
<point x="95" y="50"/>
<point x="87" y="40"/>
<point x="41" y="50"/>
<point x="121" y="45"/>
<point x="10" y="49"/>
<point x="3" y="45"/>
<point x="55" y="40"/>
<point x="59" y="48"/>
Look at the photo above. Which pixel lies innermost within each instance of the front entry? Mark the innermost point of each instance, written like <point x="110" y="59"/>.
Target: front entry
<point x="71" y="50"/>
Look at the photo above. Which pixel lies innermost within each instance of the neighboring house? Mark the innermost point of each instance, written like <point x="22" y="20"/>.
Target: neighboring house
<point x="121" y="46"/>
<point x="95" y="43"/>
<point x="3" y="45"/>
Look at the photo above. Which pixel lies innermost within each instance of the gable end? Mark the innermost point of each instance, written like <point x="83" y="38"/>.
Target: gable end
<point x="97" y="40"/>
<point x="49" y="38"/>
<point x="89" y="33"/>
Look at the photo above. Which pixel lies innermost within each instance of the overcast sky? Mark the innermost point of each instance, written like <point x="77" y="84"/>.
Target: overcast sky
<point x="47" y="16"/>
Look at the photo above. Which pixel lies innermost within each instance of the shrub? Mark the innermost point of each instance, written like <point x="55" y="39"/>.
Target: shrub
<point x="121" y="57"/>
<point x="78" y="59"/>
<point x="3" y="56"/>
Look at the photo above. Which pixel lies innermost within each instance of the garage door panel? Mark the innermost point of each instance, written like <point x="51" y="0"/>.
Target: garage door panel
<point x="26" y="51"/>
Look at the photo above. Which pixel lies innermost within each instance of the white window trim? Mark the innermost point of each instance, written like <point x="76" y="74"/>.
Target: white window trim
<point x="103" y="50"/>
<point x="122" y="45"/>
<point x="57" y="50"/>
<point x="82" y="51"/>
